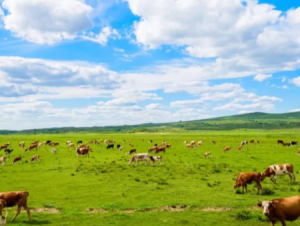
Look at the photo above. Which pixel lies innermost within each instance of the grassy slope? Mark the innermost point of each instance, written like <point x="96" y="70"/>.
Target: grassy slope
<point x="106" y="181"/>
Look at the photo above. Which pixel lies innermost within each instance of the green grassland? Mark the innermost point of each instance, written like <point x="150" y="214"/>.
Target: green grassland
<point x="104" y="190"/>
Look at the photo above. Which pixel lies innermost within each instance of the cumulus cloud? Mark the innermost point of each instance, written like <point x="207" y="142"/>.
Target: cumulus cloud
<point x="295" y="110"/>
<point x="103" y="36"/>
<point x="262" y="77"/>
<point x="46" y="21"/>
<point x="296" y="81"/>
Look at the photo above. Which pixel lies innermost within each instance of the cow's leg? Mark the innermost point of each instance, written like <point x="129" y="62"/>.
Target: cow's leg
<point x="246" y="188"/>
<point x="259" y="188"/>
<point x="27" y="210"/>
<point x="292" y="176"/>
<point x="283" y="222"/>
<point x="17" y="213"/>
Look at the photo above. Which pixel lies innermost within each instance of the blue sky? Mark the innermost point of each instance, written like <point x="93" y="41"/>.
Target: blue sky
<point x="112" y="62"/>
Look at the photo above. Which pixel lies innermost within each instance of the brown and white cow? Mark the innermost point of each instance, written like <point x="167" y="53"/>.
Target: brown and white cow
<point x="109" y="141"/>
<point x="199" y="143"/>
<point x="34" y="158"/>
<point x="4" y="146"/>
<point x="17" y="159"/>
<point x="32" y="146"/>
<point x="226" y="149"/>
<point x="156" y="159"/>
<point x="22" y="144"/>
<point x="207" y="154"/>
<point x="193" y="142"/>
<point x="16" y="198"/>
<point x="71" y="145"/>
<point x="244" y="143"/>
<point x="248" y="178"/>
<point x="83" y="151"/>
<point x="281" y="210"/>
<point x="140" y="157"/>
<point x="121" y="148"/>
<point x="189" y="146"/>
<point x="3" y="220"/>
<point x="2" y="160"/>
<point x="279" y="170"/>
<point x="131" y="152"/>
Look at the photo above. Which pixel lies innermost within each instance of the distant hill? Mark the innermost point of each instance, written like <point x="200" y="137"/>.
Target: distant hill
<point x="256" y="120"/>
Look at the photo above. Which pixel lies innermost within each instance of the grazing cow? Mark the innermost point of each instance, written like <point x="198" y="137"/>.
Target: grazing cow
<point x="68" y="142"/>
<point x="16" y="198"/>
<point x="8" y="151"/>
<point x="83" y="146"/>
<point x="131" y="151"/>
<point x="185" y="142"/>
<point x="279" y="170"/>
<point x="109" y="141"/>
<point x="152" y="149"/>
<point x="168" y="145"/>
<point x="91" y="141"/>
<point x="214" y="142"/>
<point x="53" y="150"/>
<point x="110" y="146"/>
<point x="18" y="159"/>
<point x="140" y="157"/>
<point x="248" y="178"/>
<point x="40" y="145"/>
<point x="79" y="142"/>
<point x="258" y="142"/>
<point x="2" y="160"/>
<point x="207" y="154"/>
<point x="160" y="149"/>
<point x="226" y="149"/>
<point x="244" y="143"/>
<point x="292" y="143"/>
<point x="189" y="146"/>
<point x="22" y="144"/>
<point x="4" y="146"/>
<point x="118" y="146"/>
<point x="83" y="151"/>
<point x="251" y="141"/>
<point x="155" y="159"/>
<point x="193" y="143"/>
<point x="47" y="142"/>
<point x="54" y="144"/>
<point x="199" y="143"/>
<point x="97" y="142"/>
<point x="280" y="142"/>
<point x="32" y="146"/>
<point x="281" y="210"/>
<point x="150" y="141"/>
<point x="34" y="158"/>
<point x="3" y="220"/>
<point x="121" y="148"/>
<point x="239" y="148"/>
<point x="71" y="145"/>
<point x="163" y="143"/>
<point x="285" y="144"/>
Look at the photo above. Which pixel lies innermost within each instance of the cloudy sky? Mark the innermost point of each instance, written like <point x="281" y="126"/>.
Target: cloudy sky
<point x="114" y="62"/>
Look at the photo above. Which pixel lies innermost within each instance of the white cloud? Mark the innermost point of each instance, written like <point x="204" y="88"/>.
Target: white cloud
<point x="295" y="110"/>
<point x="262" y="77"/>
<point x="296" y="81"/>
<point x="103" y="36"/>
<point x="46" y="21"/>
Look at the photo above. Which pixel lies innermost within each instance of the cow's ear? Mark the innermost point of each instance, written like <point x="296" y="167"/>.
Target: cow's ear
<point x="271" y="205"/>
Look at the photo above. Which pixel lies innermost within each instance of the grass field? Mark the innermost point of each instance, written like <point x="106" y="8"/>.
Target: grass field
<point x="186" y="190"/>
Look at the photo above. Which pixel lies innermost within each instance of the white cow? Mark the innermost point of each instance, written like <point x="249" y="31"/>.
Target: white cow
<point x="140" y="157"/>
<point x="155" y="159"/>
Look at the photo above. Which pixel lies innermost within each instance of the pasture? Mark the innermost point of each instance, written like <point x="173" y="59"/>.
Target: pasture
<point x="186" y="189"/>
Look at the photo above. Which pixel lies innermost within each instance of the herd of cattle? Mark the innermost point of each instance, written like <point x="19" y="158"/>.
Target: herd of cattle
<point x="277" y="210"/>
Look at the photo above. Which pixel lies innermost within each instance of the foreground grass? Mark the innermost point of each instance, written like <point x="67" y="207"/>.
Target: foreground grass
<point x="129" y="195"/>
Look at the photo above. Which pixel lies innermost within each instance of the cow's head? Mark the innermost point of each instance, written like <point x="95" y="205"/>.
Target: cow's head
<point x="267" y="207"/>
<point x="268" y="172"/>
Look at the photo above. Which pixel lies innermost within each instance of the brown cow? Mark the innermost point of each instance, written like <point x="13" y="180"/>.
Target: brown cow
<point x="2" y="206"/>
<point x="16" y="198"/>
<point x="35" y="157"/>
<point x="189" y="146"/>
<point x="2" y="160"/>
<point x="18" y="159"/>
<point x="32" y="146"/>
<point x="168" y="145"/>
<point x="226" y="149"/>
<point x="252" y="141"/>
<point x="131" y="151"/>
<point x="207" y="154"/>
<point x="53" y="144"/>
<point x="285" y="209"/>
<point x="160" y="149"/>
<point x="152" y="149"/>
<point x="4" y="146"/>
<point x="239" y="148"/>
<point x="214" y="142"/>
<point x="279" y="170"/>
<point x="280" y="142"/>
<point x="248" y="178"/>
<point x="91" y="141"/>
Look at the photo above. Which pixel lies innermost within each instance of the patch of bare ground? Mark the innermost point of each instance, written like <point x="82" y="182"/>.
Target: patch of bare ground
<point x="91" y="210"/>
<point x="216" y="209"/>
<point x="44" y="210"/>
<point x="253" y="208"/>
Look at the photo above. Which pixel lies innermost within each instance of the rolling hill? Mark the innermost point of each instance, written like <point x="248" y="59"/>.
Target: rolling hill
<point x="257" y="120"/>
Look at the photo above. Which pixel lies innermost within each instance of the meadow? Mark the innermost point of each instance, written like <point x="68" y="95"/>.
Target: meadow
<point x="186" y="189"/>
